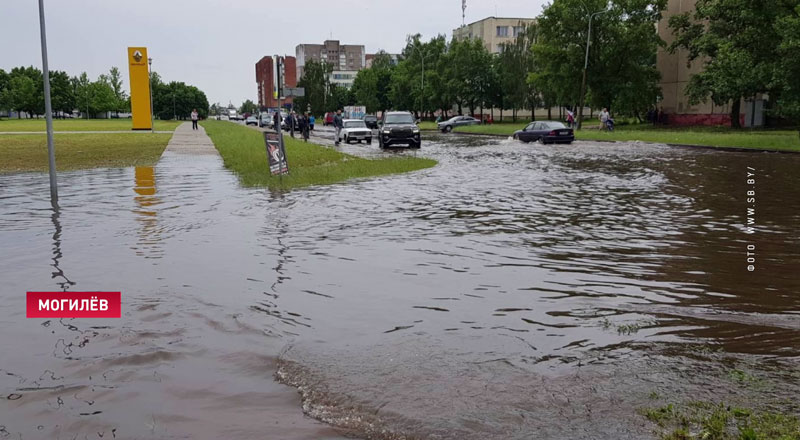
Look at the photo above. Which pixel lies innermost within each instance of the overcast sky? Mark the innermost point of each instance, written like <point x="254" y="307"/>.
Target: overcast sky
<point x="214" y="44"/>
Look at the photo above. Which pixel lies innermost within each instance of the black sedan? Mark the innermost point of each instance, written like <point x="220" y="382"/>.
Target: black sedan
<point x="371" y="121"/>
<point x="546" y="132"/>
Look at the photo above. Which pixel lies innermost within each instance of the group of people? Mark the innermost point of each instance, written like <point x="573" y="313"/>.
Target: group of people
<point x="304" y="122"/>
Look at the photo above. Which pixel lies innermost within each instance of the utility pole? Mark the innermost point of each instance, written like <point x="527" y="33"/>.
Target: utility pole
<point x="585" y="67"/>
<point x="150" y="79"/>
<point x="48" y="110"/>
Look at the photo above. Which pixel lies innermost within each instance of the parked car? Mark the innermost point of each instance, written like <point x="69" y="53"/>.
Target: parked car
<point x="265" y="120"/>
<point x="371" y="121"/>
<point x="457" y="121"/>
<point x="398" y="128"/>
<point x="356" y="130"/>
<point x="251" y="120"/>
<point x="546" y="132"/>
<point x="328" y="119"/>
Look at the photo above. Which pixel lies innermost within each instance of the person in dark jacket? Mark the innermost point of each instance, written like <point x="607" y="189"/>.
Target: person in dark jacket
<point x="338" y="125"/>
<point x="276" y="121"/>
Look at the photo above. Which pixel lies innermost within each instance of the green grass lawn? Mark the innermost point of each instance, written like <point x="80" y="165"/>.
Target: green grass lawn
<point x="243" y="152"/>
<point x="779" y="140"/>
<point x="79" y="125"/>
<point x="22" y="152"/>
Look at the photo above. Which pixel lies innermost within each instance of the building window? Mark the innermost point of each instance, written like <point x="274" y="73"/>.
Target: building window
<point x="518" y="30"/>
<point x="502" y="31"/>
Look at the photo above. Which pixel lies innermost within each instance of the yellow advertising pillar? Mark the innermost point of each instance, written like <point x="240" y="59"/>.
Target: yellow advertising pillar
<point x="140" y="88"/>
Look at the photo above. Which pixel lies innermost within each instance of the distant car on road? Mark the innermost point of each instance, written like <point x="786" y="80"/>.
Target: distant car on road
<point x="264" y="120"/>
<point x="371" y="121"/>
<point x="398" y="128"/>
<point x="251" y="120"/>
<point x="546" y="132"/>
<point x="457" y="121"/>
<point x="327" y="119"/>
<point x="356" y="130"/>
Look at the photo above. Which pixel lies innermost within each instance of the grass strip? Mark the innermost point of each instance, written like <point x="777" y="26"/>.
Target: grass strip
<point x="720" y="137"/>
<point x="78" y="151"/>
<point x="37" y="125"/>
<point x="244" y="153"/>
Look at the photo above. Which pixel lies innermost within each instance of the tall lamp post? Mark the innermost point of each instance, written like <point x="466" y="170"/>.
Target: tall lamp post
<point x="48" y="110"/>
<point x="586" y="66"/>
<point x="422" y="90"/>
<point x="150" y="79"/>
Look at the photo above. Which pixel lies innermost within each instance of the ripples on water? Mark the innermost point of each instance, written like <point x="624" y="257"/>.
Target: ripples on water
<point x="511" y="286"/>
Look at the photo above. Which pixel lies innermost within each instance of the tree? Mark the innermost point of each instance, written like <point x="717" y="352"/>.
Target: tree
<point x="318" y="90"/>
<point x="115" y="80"/>
<point x="62" y="93"/>
<point x="621" y="58"/>
<point x="372" y="87"/>
<point x="737" y="42"/>
<point x="788" y="96"/>
<point x="21" y="94"/>
<point x="82" y="91"/>
<point x="248" y="107"/>
<point x="4" y="79"/>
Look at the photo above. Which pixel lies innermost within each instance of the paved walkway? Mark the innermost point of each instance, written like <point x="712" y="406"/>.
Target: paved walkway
<point x="188" y="141"/>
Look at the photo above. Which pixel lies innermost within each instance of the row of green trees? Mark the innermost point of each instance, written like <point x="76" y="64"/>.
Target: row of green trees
<point x="541" y="68"/>
<point x="22" y="90"/>
<point x="746" y="48"/>
<point x="176" y="100"/>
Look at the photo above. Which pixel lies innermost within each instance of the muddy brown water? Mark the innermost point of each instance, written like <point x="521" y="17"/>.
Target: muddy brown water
<point x="514" y="291"/>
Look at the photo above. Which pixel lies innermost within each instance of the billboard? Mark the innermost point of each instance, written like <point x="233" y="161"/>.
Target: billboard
<point x="140" y="88"/>
<point x="355" y="111"/>
<point x="276" y="153"/>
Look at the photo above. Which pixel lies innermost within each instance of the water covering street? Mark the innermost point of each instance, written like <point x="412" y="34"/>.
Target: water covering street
<point x="512" y="289"/>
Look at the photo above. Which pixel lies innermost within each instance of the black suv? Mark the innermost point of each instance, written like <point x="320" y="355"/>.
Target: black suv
<point x="398" y="128"/>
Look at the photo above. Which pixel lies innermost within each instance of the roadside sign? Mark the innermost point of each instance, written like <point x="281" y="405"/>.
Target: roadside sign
<point x="276" y="153"/>
<point x="355" y="111"/>
<point x="294" y="91"/>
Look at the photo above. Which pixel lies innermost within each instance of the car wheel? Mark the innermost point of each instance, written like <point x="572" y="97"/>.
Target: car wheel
<point x="516" y="137"/>
<point x="369" y="141"/>
<point x="542" y="141"/>
<point x="448" y="128"/>
<point x="417" y="145"/>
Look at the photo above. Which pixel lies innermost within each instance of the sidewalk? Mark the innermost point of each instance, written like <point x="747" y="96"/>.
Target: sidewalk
<point x="192" y="142"/>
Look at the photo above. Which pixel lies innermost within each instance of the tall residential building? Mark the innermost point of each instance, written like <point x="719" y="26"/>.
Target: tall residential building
<point x="265" y="79"/>
<point x="675" y="75"/>
<point x="347" y="58"/>
<point x="494" y="31"/>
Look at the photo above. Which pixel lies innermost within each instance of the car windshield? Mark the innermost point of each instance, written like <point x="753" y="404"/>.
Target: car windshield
<point x="554" y="125"/>
<point x="400" y="118"/>
<point x="355" y="124"/>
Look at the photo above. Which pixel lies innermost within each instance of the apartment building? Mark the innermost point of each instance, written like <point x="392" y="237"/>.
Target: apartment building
<point x="343" y="57"/>
<point x="265" y="79"/>
<point x="493" y="31"/>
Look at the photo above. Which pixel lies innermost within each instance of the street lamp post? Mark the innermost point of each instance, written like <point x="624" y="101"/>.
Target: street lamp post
<point x="150" y="79"/>
<point x="48" y="110"/>
<point x="585" y="67"/>
<point x="422" y="90"/>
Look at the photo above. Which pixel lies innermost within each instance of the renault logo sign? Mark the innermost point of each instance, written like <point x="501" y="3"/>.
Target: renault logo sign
<point x="137" y="56"/>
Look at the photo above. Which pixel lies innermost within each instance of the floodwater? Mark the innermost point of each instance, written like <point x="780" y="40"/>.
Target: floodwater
<point x="514" y="291"/>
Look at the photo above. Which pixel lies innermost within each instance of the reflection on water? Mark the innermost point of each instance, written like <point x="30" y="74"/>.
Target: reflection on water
<point x="510" y="286"/>
<point x="64" y="283"/>
<point x="146" y="203"/>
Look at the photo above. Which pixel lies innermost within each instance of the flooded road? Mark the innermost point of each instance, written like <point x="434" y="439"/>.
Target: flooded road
<point x="513" y="289"/>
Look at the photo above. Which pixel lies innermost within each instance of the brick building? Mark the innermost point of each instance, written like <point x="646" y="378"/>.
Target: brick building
<point x="265" y="79"/>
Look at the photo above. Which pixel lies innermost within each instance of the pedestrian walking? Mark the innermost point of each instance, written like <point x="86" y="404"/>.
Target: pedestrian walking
<point x="570" y="118"/>
<point x="338" y="124"/>
<point x="194" y="119"/>
<point x="291" y="120"/>
<point x="305" y="123"/>
<point x="604" y="116"/>
<point x="276" y="121"/>
<point x="311" y="120"/>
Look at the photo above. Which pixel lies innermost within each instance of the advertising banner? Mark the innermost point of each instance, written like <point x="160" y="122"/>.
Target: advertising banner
<point x="276" y="153"/>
